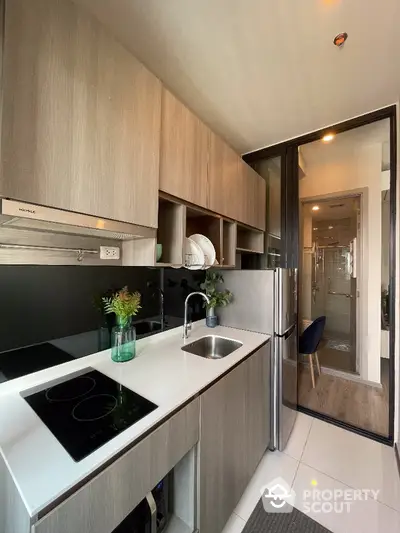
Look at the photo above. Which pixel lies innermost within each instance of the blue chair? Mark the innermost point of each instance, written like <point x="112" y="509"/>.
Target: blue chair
<point x="309" y="341"/>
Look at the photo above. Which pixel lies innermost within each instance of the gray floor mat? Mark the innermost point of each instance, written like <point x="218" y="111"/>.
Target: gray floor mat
<point x="294" y="522"/>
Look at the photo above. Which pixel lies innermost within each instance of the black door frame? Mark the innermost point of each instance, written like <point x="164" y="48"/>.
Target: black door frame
<point x="288" y="151"/>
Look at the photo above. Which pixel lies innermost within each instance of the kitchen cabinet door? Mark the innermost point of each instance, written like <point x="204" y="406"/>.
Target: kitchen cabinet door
<point x="223" y="179"/>
<point x="234" y="434"/>
<point x="258" y="405"/>
<point x="102" y="503"/>
<point x="253" y="192"/>
<point x="81" y="116"/>
<point x="14" y="517"/>
<point x="184" y="152"/>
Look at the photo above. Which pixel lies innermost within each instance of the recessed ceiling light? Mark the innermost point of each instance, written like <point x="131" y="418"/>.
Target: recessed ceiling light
<point x="328" y="138"/>
<point x="315" y="208"/>
<point x="330" y="227"/>
<point x="340" y="39"/>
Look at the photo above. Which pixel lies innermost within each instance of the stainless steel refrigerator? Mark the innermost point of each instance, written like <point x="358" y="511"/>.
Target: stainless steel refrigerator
<point x="265" y="301"/>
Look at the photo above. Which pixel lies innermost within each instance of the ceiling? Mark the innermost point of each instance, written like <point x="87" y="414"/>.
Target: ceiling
<point x="335" y="209"/>
<point x="263" y="71"/>
<point x="347" y="144"/>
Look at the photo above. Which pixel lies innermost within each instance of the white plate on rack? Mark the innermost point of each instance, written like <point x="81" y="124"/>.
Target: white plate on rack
<point x="207" y="247"/>
<point x="194" y="256"/>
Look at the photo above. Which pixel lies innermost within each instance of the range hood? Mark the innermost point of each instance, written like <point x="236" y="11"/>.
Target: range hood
<point x="24" y="216"/>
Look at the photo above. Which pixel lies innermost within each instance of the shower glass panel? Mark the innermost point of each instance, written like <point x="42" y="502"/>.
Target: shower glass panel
<point x="329" y="279"/>
<point x="333" y="290"/>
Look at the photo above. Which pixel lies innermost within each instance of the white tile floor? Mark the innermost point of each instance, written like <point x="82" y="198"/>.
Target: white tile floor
<point x="333" y="459"/>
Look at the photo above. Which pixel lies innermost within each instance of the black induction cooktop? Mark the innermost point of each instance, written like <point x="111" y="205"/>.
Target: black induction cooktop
<point x="86" y="411"/>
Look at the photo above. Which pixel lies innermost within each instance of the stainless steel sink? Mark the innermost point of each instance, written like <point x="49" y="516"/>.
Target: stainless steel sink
<point x="212" y="347"/>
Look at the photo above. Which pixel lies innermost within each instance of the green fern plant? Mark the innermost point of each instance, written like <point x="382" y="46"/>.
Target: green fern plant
<point x="217" y="298"/>
<point x="124" y="304"/>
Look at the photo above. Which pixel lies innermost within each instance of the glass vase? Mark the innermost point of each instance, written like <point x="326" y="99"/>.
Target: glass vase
<point x="123" y="341"/>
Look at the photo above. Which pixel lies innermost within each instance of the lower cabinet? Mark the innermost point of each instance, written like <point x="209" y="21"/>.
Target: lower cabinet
<point x="100" y="505"/>
<point x="213" y="445"/>
<point x="234" y="434"/>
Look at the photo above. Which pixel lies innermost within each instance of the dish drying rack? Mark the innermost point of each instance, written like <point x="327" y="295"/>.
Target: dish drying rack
<point x="192" y="261"/>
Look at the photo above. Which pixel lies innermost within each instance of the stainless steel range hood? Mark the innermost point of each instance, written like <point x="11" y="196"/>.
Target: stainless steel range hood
<point x="24" y="216"/>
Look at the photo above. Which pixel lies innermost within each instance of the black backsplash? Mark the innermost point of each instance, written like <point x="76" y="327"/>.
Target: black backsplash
<point x="178" y="283"/>
<point x="43" y="303"/>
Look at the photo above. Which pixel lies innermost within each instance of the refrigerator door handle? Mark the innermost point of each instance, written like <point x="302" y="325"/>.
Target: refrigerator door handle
<point x="285" y="299"/>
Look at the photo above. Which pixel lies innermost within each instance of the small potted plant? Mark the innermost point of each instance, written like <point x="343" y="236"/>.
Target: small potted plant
<point x="124" y="305"/>
<point x="216" y="298"/>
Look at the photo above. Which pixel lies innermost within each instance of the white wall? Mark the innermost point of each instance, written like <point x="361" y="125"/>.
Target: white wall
<point x="344" y="172"/>
<point x="306" y="274"/>
<point x="385" y="242"/>
<point x="385" y="339"/>
<point x="397" y="324"/>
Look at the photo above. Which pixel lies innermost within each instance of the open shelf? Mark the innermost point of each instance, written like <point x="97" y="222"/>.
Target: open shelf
<point x="249" y="240"/>
<point x="178" y="220"/>
<point x="184" y="495"/>
<point x="229" y="237"/>
<point x="171" y="231"/>
<point x="207" y="224"/>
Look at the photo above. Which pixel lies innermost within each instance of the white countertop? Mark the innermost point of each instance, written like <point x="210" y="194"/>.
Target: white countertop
<point x="40" y="466"/>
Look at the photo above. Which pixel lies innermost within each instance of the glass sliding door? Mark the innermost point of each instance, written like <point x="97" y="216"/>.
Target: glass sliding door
<point x="344" y="278"/>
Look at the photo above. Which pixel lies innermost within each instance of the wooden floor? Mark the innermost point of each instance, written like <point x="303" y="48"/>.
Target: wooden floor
<point x="337" y="359"/>
<point x="358" y="404"/>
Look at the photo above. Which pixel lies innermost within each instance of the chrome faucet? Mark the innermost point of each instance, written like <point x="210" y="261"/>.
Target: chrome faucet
<point x="186" y="326"/>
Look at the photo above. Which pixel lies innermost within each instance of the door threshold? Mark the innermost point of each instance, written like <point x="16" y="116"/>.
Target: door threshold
<point x="351" y="376"/>
<point x="388" y="441"/>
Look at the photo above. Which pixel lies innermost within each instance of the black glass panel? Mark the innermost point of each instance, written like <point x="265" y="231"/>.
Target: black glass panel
<point x="17" y="363"/>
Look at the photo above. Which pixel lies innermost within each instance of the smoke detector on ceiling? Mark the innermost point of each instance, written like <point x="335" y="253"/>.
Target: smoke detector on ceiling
<point x="340" y="39"/>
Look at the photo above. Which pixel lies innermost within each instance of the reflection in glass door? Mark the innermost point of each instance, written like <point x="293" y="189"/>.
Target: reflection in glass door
<point x="332" y="279"/>
<point x="331" y="237"/>
<point x="333" y="294"/>
<point x="270" y="170"/>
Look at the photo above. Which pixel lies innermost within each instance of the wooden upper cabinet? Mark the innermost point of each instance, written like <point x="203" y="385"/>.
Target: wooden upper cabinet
<point x="184" y="152"/>
<point x="253" y="191"/>
<point x="223" y="178"/>
<point x="235" y="189"/>
<point x="81" y="116"/>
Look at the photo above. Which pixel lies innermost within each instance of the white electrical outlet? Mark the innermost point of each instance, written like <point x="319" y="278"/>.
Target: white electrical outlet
<point x="109" y="252"/>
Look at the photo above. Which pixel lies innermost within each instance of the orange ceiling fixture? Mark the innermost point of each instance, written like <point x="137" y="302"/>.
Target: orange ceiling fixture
<point x="340" y="39"/>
